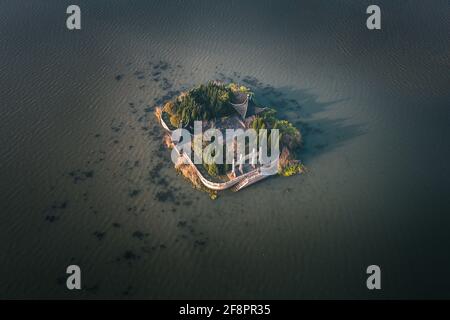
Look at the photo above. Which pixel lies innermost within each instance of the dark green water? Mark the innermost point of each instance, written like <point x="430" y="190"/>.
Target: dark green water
<point x="84" y="180"/>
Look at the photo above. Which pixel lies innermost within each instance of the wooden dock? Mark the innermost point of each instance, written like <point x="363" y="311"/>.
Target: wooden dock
<point x="252" y="178"/>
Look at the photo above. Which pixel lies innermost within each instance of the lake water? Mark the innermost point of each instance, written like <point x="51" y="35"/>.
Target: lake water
<point x="84" y="179"/>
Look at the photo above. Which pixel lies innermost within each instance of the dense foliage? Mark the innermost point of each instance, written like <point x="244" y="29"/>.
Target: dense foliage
<point x="291" y="169"/>
<point x="205" y="102"/>
<point x="290" y="136"/>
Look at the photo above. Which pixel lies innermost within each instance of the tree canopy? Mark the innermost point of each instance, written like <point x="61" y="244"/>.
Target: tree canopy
<point x="205" y="102"/>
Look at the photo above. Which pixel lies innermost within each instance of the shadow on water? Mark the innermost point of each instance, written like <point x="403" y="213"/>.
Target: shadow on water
<point x="321" y="133"/>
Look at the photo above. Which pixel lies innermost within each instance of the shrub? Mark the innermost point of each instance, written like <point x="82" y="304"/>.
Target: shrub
<point x="236" y="88"/>
<point x="174" y="120"/>
<point x="169" y="107"/>
<point x="269" y="117"/>
<point x="291" y="169"/>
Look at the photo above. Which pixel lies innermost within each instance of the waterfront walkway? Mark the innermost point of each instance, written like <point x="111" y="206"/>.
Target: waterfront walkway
<point x="239" y="182"/>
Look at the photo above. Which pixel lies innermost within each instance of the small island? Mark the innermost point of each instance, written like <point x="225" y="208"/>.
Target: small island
<point x="223" y="106"/>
